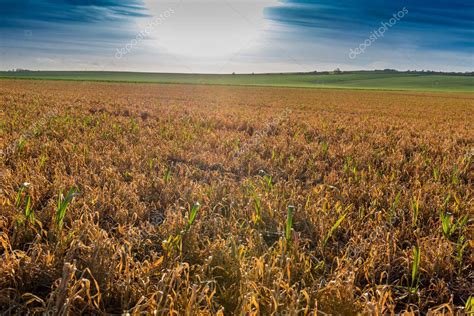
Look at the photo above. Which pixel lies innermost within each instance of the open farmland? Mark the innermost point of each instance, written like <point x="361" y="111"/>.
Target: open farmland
<point x="368" y="80"/>
<point x="334" y="201"/>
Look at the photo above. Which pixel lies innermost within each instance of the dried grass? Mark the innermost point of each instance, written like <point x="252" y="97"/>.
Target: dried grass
<point x="368" y="174"/>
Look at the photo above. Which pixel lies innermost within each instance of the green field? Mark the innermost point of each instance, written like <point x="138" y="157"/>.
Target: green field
<point x="380" y="80"/>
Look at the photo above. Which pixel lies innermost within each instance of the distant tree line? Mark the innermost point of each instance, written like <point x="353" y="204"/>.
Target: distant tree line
<point x="422" y="72"/>
<point x="19" y="70"/>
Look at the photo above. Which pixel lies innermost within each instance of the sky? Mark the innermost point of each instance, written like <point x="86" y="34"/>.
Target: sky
<point x="242" y="36"/>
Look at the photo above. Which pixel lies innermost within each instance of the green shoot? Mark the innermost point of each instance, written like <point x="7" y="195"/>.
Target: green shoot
<point x="167" y="175"/>
<point x="21" y="144"/>
<point x="257" y="217"/>
<point x="63" y="202"/>
<point x="455" y="176"/>
<point x="175" y="242"/>
<point x="134" y="125"/>
<point x="415" y="207"/>
<point x="151" y="164"/>
<point x="273" y="154"/>
<point x="324" y="149"/>
<point x="394" y="206"/>
<point x="268" y="182"/>
<point x="333" y="228"/>
<point x="446" y="200"/>
<point x="449" y="226"/>
<point x="469" y="307"/>
<point x="436" y="173"/>
<point x="289" y="223"/>
<point x="415" y="268"/>
<point x="354" y="172"/>
<point x="29" y="213"/>
<point x="446" y="224"/>
<point x="192" y="216"/>
<point x="461" y="246"/>
<point x="42" y="160"/>
<point x="347" y="164"/>
<point x="308" y="201"/>
<point x="19" y="195"/>
<point x="18" y="198"/>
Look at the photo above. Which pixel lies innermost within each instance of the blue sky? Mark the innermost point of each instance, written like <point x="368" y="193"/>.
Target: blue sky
<point x="236" y="35"/>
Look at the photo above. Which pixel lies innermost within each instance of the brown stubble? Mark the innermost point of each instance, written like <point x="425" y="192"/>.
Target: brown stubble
<point x="141" y="155"/>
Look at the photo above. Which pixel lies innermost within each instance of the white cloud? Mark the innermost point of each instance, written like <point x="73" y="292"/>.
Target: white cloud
<point x="207" y="28"/>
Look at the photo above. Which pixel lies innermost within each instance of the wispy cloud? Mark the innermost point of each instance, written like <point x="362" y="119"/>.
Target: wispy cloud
<point x="450" y="24"/>
<point x="64" y="31"/>
<point x="19" y="13"/>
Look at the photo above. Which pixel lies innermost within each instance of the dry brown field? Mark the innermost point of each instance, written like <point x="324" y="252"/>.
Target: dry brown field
<point x="199" y="200"/>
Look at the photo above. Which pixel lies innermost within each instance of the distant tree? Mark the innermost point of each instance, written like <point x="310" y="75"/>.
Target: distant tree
<point x="337" y="71"/>
<point x="233" y="73"/>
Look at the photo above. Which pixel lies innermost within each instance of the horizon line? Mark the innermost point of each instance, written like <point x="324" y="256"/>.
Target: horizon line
<point x="335" y="71"/>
